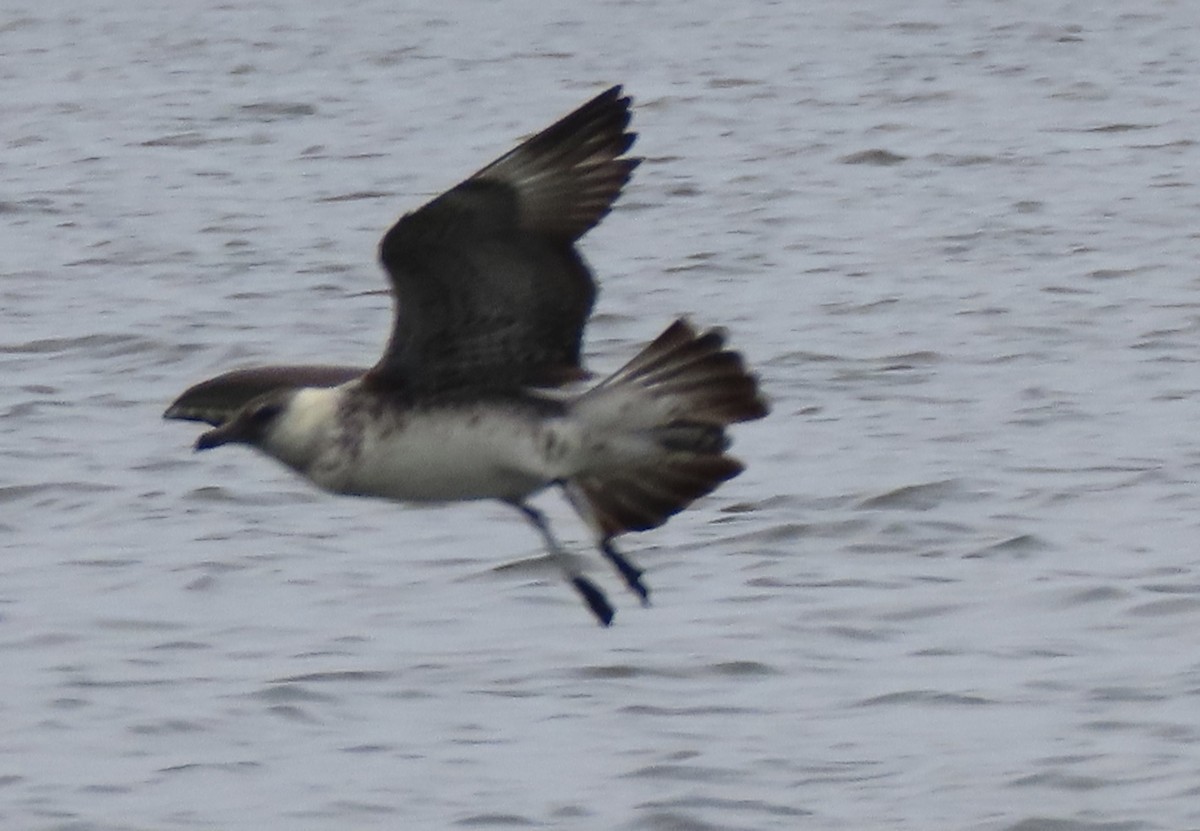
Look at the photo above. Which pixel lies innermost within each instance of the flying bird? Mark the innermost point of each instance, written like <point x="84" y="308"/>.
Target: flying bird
<point x="480" y="391"/>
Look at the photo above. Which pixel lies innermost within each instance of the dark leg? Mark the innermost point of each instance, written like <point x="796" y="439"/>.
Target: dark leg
<point x="591" y="594"/>
<point x="594" y="598"/>
<point x="631" y="573"/>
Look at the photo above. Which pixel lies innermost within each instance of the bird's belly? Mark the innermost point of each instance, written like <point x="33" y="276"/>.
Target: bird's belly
<point x="449" y="456"/>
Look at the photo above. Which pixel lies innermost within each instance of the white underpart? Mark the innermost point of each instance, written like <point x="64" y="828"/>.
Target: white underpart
<point x="446" y="454"/>
<point x="304" y="428"/>
<point x="459" y="454"/>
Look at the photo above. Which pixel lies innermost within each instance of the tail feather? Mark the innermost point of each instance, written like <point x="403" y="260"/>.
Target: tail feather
<point x="672" y="350"/>
<point x="706" y="372"/>
<point x="691" y="437"/>
<point x="671" y="404"/>
<point x="643" y="498"/>
<point x="684" y="367"/>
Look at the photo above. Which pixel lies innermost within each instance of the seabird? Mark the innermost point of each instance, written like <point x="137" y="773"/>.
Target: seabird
<point x="479" y="393"/>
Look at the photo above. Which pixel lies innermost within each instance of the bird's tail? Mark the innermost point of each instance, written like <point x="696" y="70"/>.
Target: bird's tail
<point x="659" y="428"/>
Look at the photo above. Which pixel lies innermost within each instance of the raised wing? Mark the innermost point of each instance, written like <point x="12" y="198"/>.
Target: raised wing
<point x="489" y="289"/>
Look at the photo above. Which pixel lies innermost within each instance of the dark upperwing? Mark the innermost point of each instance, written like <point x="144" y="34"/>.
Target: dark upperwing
<point x="489" y="289"/>
<point x="216" y="400"/>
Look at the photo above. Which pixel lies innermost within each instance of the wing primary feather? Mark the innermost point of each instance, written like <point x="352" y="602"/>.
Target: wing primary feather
<point x="489" y="288"/>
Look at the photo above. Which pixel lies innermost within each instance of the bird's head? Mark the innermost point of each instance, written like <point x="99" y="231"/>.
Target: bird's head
<point x="252" y="425"/>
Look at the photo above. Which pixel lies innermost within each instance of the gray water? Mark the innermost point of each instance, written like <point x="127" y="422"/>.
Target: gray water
<point x="958" y="586"/>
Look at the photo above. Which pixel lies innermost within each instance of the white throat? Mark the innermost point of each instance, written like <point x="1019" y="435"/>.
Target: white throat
<point x="305" y="427"/>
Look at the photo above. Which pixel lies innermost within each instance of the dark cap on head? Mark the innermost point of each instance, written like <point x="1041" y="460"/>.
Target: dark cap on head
<point x="250" y="424"/>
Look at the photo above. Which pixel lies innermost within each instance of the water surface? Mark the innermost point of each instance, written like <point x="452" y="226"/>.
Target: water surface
<point x="957" y="588"/>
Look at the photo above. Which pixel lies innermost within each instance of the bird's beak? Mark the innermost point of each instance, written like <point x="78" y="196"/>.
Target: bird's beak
<point x="217" y="437"/>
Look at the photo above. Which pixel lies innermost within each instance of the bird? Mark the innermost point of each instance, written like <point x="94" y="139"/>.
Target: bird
<point x="481" y="392"/>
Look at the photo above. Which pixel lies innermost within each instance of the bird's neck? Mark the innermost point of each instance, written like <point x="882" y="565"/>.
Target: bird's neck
<point x="306" y="426"/>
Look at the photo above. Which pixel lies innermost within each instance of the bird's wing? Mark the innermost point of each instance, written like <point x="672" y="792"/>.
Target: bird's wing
<point x="489" y="289"/>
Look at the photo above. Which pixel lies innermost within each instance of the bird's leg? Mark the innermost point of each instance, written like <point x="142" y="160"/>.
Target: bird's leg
<point x="631" y="573"/>
<point x="588" y="590"/>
